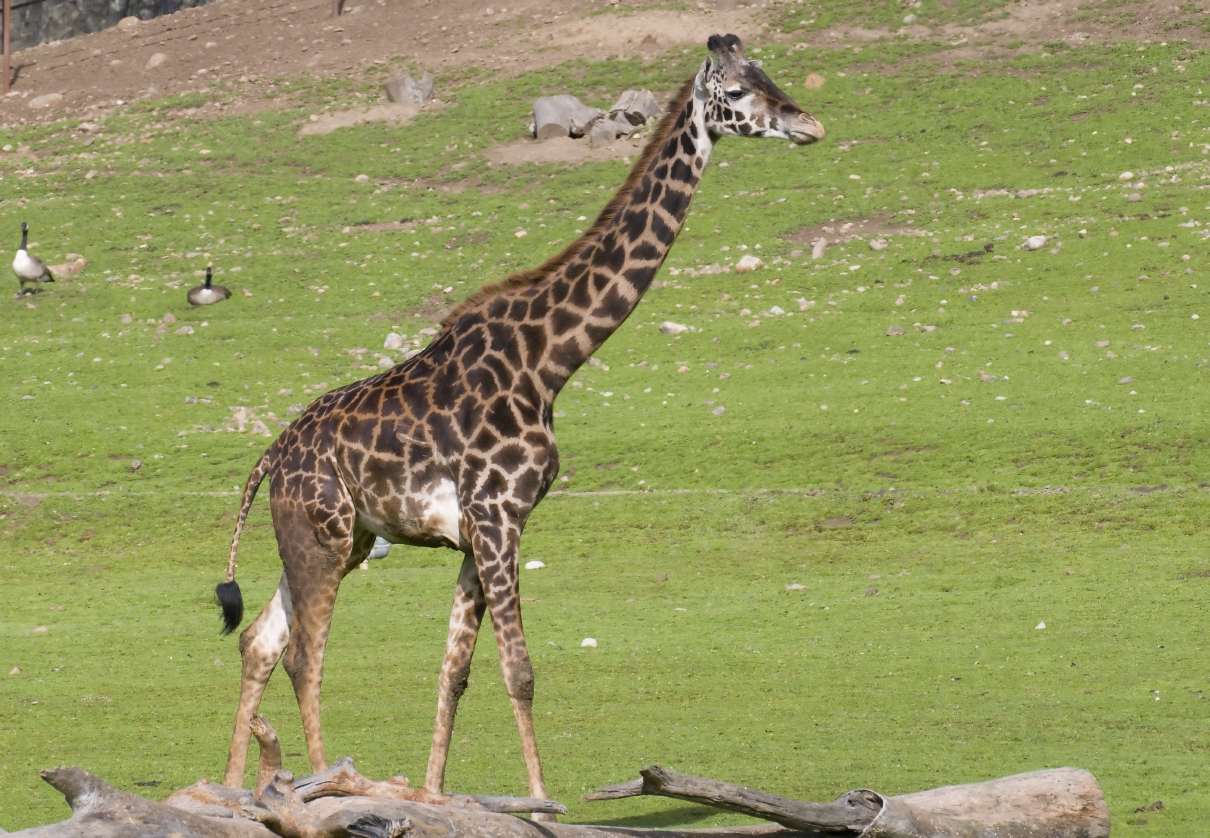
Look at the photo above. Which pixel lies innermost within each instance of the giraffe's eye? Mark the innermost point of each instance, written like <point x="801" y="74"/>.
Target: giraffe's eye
<point x="736" y="94"/>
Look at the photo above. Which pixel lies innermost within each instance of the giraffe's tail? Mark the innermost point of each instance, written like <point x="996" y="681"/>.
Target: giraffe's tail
<point x="228" y="593"/>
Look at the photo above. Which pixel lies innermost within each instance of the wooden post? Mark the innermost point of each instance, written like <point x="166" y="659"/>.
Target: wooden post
<point x="335" y="8"/>
<point x="8" y="63"/>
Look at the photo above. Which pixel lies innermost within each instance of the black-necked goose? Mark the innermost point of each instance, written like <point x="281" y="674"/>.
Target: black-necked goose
<point x="206" y="294"/>
<point x="30" y="268"/>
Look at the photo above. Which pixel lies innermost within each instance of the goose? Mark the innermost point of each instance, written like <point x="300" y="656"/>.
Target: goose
<point x="30" y="268"/>
<point x="204" y="295"/>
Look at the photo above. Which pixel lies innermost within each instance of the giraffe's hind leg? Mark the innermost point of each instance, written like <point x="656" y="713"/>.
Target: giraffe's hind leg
<point x="465" y="619"/>
<point x="316" y="556"/>
<point x="260" y="646"/>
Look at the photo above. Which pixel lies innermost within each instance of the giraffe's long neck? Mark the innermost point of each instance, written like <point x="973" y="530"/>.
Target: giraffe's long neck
<point x="595" y="291"/>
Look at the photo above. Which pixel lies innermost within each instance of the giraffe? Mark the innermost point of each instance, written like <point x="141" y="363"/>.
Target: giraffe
<point x="455" y="447"/>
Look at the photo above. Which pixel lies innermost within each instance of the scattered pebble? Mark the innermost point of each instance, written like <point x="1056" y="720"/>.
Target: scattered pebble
<point x="135" y="465"/>
<point x="16" y="670"/>
<point x="894" y="330"/>
<point x="1041" y="625"/>
<point x="796" y="587"/>
<point x="393" y="341"/>
<point x="748" y="263"/>
<point x="718" y="411"/>
<point x="41" y="630"/>
<point x="185" y="330"/>
<point x="670" y="328"/>
<point x="813" y="81"/>
<point x="1035" y="243"/>
<point x="534" y="565"/>
<point x="877" y="244"/>
<point x="1125" y="380"/>
<point x="588" y="643"/>
<point x="362" y="179"/>
<point x="218" y="661"/>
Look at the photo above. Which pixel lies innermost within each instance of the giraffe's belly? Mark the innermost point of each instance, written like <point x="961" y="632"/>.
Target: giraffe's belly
<point x="426" y="518"/>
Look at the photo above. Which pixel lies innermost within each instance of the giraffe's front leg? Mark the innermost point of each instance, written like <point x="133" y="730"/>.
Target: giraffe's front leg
<point x="465" y="619"/>
<point x="495" y="541"/>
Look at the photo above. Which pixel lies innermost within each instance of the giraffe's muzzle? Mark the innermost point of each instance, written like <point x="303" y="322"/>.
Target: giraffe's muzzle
<point x="806" y="129"/>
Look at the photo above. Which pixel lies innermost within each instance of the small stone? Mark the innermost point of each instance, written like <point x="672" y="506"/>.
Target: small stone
<point x="1126" y="176"/>
<point x="285" y="391"/>
<point x="185" y="330"/>
<point x="41" y="630"/>
<point x="535" y="565"/>
<point x="804" y="304"/>
<point x="818" y="247"/>
<point x="156" y="60"/>
<point x="777" y="311"/>
<point x="1063" y="354"/>
<point x="1041" y="625"/>
<point x="871" y="591"/>
<point x="362" y="179"/>
<point x="794" y="586"/>
<point x="48" y="100"/>
<point x="670" y="328"/>
<point x="135" y="465"/>
<point x="908" y="20"/>
<point x="748" y="263"/>
<point x="682" y="369"/>
<point x="894" y="330"/>
<point x="813" y="81"/>
<point x="1125" y="380"/>
<point x="16" y="670"/>
<point x="218" y="661"/>
<point x="877" y="244"/>
<point x="428" y="332"/>
<point x="720" y="410"/>
<point x="394" y="341"/>
<point x="1101" y="344"/>
<point x="127" y="23"/>
<point x="294" y="409"/>
<point x="1134" y="197"/>
<point x="407" y="90"/>
<point x="125" y="318"/>
<point x="169" y="318"/>
<point x="588" y="643"/>
<point x="1035" y="243"/>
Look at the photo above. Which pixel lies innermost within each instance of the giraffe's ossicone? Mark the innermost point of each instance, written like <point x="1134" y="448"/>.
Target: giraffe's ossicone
<point x="455" y="447"/>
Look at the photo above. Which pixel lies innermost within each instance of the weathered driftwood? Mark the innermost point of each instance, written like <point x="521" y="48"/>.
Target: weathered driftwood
<point x="341" y="803"/>
<point x="1059" y="803"/>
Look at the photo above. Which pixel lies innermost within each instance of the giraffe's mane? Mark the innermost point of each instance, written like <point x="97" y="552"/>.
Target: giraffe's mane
<point x="533" y="276"/>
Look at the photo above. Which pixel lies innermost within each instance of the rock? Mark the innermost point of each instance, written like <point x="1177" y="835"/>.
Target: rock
<point x="1035" y="243"/>
<point x="635" y="107"/>
<point x="428" y="331"/>
<point x="294" y="410"/>
<point x="908" y="20"/>
<point x="1127" y="380"/>
<point x="894" y="330"/>
<point x="393" y="342"/>
<point x="588" y="643"/>
<point x="796" y="587"/>
<point x="185" y="330"/>
<point x="535" y="565"/>
<point x="156" y="60"/>
<point x="285" y="391"/>
<point x="48" y="100"/>
<point x="563" y="116"/>
<point x="748" y="263"/>
<point x="877" y="244"/>
<point x="135" y="465"/>
<point x="777" y="311"/>
<point x="259" y="427"/>
<point x="362" y="179"/>
<point x="1132" y="197"/>
<point x="608" y="129"/>
<point x="127" y="23"/>
<point x="818" y="247"/>
<point x="41" y="630"/>
<point x="1126" y="176"/>
<point x="1101" y="344"/>
<point x="16" y="670"/>
<point x="719" y="411"/>
<point x="813" y="81"/>
<point x="670" y="328"/>
<point x="407" y="90"/>
<point x="384" y="362"/>
<point x="169" y="318"/>
<point x="985" y="378"/>
<point x="125" y="318"/>
<point x="804" y="303"/>
<point x="1041" y="625"/>
<point x="1063" y="356"/>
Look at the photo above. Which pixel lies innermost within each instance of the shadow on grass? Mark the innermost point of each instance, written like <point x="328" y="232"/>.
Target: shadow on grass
<point x="666" y="819"/>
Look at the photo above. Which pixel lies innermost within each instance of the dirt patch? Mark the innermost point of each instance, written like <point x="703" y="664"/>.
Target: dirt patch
<point x="393" y="114"/>
<point x="839" y="232"/>
<point x="561" y="150"/>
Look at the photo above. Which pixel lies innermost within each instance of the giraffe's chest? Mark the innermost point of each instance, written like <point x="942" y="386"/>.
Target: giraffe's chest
<point x="426" y="515"/>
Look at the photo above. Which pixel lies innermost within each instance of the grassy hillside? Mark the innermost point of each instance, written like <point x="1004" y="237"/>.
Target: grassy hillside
<point x="935" y="516"/>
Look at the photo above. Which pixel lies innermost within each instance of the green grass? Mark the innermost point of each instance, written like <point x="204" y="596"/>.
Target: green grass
<point x="969" y="501"/>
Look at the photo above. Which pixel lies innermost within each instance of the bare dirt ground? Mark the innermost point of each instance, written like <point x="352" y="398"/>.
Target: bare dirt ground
<point x="244" y="47"/>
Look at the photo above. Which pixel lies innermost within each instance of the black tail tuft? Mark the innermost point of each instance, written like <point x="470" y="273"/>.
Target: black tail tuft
<point x="232" y="602"/>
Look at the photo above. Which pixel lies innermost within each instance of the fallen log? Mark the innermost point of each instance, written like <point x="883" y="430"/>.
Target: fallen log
<point x="341" y="803"/>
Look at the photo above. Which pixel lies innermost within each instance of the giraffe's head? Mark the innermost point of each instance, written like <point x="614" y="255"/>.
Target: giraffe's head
<point x="742" y="100"/>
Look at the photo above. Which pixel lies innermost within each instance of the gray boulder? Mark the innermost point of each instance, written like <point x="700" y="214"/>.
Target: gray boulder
<point x="635" y="107"/>
<point x="407" y="90"/>
<point x="607" y="129"/>
<point x="563" y="116"/>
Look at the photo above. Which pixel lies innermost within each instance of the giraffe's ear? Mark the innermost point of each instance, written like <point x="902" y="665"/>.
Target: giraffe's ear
<point x="699" y="83"/>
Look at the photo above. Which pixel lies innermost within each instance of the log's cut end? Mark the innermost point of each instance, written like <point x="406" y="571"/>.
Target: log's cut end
<point x="83" y="791"/>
